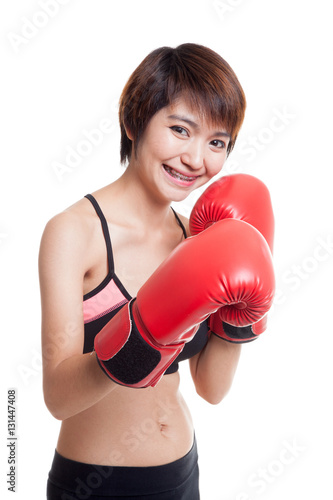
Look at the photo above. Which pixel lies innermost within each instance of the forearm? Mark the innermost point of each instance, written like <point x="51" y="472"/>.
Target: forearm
<point x="74" y="385"/>
<point x="214" y="369"/>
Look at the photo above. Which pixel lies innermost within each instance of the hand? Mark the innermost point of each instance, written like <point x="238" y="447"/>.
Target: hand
<point x="226" y="267"/>
<point x="243" y="197"/>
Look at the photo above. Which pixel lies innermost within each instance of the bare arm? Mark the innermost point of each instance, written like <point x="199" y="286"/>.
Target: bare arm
<point x="213" y="369"/>
<point x="72" y="381"/>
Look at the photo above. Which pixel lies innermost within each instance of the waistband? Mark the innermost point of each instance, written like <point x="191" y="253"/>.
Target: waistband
<point x="83" y="479"/>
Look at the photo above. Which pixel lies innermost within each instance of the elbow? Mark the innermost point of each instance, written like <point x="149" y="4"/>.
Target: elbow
<point x="213" y="389"/>
<point x="54" y="409"/>
<point x="211" y="395"/>
<point x="53" y="404"/>
<point x="212" y="400"/>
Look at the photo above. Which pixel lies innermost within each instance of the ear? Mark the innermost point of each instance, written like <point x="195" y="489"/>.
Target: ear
<point x="128" y="132"/>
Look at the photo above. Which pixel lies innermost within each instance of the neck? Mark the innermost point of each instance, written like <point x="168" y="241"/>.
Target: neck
<point x="141" y="205"/>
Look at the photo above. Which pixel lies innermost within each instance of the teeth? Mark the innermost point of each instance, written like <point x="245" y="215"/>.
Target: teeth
<point x="178" y="175"/>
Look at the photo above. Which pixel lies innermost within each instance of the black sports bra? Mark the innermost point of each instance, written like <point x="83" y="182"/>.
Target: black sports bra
<point x="104" y="301"/>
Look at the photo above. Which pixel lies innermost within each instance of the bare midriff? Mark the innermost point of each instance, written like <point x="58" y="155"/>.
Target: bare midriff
<point x="131" y="427"/>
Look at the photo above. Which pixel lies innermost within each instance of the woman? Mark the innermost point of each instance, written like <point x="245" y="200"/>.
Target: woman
<point x="180" y="114"/>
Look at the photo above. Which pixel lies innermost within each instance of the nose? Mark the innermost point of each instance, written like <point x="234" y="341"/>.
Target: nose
<point x="193" y="156"/>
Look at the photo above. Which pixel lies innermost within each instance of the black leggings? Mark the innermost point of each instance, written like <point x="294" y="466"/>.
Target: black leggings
<point x="71" y="480"/>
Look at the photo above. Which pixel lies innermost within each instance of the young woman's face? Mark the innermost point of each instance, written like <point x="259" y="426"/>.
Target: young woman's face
<point x="179" y="152"/>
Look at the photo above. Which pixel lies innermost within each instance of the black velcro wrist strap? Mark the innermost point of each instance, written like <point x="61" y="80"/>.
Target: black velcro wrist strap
<point x="239" y="334"/>
<point x="134" y="361"/>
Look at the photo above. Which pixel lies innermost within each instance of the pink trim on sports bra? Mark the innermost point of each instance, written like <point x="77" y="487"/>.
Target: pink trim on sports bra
<point x="97" y="306"/>
<point x="104" y="301"/>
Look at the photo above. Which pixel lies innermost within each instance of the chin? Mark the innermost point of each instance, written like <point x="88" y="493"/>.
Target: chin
<point x="180" y="196"/>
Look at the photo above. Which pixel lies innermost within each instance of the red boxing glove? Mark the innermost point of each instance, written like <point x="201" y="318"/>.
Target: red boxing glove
<point x="243" y="197"/>
<point x="219" y="267"/>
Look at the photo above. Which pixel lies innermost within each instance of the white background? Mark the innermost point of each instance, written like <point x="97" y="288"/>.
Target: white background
<point x="63" y="74"/>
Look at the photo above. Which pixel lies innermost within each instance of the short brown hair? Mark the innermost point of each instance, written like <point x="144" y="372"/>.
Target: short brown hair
<point x="190" y="71"/>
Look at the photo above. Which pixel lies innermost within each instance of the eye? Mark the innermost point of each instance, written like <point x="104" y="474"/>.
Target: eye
<point x="217" y="143"/>
<point x="180" y="130"/>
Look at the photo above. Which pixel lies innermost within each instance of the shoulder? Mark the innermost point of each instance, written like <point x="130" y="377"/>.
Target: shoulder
<point x="67" y="232"/>
<point x="70" y="223"/>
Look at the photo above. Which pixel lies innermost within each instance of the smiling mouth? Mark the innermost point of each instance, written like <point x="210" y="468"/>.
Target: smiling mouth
<point x="178" y="175"/>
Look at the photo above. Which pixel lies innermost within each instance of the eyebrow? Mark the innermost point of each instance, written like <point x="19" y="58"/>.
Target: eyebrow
<point x="196" y="126"/>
